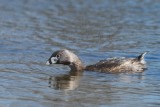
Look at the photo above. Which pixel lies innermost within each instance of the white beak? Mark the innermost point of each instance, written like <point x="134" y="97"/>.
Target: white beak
<point x="47" y="63"/>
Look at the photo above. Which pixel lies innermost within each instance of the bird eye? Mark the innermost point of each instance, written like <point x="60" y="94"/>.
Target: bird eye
<point x="58" y="56"/>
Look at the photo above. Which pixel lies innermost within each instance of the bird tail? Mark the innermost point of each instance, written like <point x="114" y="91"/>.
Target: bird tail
<point x="141" y="57"/>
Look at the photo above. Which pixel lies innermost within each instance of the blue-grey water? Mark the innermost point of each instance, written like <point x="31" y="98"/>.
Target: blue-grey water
<point x="30" y="30"/>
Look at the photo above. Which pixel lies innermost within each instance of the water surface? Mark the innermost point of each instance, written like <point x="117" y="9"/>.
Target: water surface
<point x="94" y="29"/>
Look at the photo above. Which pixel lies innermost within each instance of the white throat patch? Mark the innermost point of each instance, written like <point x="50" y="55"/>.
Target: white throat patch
<point x="54" y="60"/>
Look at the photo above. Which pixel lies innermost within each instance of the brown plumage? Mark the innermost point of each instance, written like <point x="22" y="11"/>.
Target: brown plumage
<point x="112" y="65"/>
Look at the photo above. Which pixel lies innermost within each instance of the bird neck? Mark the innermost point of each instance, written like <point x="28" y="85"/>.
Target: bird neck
<point x="77" y="65"/>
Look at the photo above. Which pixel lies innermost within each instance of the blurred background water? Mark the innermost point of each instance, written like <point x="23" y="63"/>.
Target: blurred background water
<point x="30" y="30"/>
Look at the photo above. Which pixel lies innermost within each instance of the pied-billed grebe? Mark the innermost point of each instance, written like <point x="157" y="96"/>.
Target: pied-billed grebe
<point x="112" y="65"/>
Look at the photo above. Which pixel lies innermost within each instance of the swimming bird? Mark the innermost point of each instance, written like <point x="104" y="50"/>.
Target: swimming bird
<point x="111" y="65"/>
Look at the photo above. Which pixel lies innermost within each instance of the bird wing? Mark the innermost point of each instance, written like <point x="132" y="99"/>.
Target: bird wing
<point x="107" y="65"/>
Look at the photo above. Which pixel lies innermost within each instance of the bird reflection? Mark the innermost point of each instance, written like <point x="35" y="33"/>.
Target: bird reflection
<point x="68" y="81"/>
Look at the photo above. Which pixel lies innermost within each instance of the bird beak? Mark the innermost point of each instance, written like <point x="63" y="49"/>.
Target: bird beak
<point x="47" y="63"/>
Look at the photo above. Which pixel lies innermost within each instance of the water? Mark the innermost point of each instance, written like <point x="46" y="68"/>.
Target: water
<point x="30" y="30"/>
